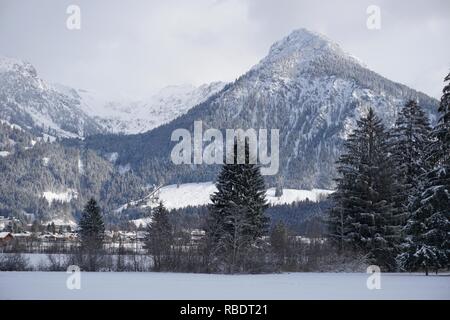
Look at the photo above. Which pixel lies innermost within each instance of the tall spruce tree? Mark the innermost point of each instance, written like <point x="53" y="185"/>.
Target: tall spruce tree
<point x="159" y="236"/>
<point x="410" y="140"/>
<point x="362" y="218"/>
<point x="236" y="217"/>
<point x="279" y="241"/>
<point x="92" y="233"/>
<point x="442" y="131"/>
<point x="427" y="244"/>
<point x="92" y="227"/>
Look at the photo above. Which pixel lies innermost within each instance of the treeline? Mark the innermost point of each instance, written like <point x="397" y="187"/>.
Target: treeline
<point x="392" y="202"/>
<point x="303" y="218"/>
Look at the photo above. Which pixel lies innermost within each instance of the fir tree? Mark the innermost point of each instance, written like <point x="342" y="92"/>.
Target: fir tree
<point x="363" y="215"/>
<point x="279" y="187"/>
<point x="91" y="233"/>
<point x="159" y="237"/>
<point x="279" y="241"/>
<point x="51" y="228"/>
<point x="35" y="227"/>
<point x="442" y="131"/>
<point x="237" y="215"/>
<point x="428" y="245"/>
<point x="92" y="228"/>
<point x="410" y="140"/>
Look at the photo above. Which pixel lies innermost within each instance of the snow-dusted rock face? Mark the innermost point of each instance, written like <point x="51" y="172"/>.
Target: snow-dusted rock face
<point x="314" y="92"/>
<point x="308" y="88"/>
<point x="62" y="111"/>
<point x="140" y="116"/>
<point x="30" y="102"/>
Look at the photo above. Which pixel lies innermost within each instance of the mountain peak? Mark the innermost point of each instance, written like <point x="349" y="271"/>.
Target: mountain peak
<point x="305" y="42"/>
<point x="301" y="37"/>
<point x="290" y="56"/>
<point x="11" y="64"/>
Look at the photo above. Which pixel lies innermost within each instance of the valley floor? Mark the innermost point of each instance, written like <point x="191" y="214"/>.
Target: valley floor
<point x="151" y="285"/>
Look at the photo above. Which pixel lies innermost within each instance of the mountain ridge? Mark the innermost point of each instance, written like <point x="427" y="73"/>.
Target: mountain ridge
<point x="62" y="111"/>
<point x="314" y="101"/>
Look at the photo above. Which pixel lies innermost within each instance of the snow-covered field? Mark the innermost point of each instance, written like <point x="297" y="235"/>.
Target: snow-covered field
<point x="109" y="285"/>
<point x="196" y="194"/>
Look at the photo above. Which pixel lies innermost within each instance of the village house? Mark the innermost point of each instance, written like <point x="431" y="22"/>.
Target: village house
<point x="5" y="238"/>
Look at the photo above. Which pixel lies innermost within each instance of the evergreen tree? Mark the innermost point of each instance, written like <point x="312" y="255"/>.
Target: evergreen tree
<point x="92" y="228"/>
<point x="237" y="215"/>
<point x="410" y="140"/>
<point x="279" y="187"/>
<point x="362" y="218"/>
<point x="35" y="227"/>
<point x="442" y="131"/>
<point x="159" y="237"/>
<point x="428" y="244"/>
<point x="91" y="233"/>
<point x="279" y="241"/>
<point x="49" y="228"/>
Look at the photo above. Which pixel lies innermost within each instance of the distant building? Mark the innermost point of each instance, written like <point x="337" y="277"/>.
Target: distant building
<point x="5" y="238"/>
<point x="197" y="235"/>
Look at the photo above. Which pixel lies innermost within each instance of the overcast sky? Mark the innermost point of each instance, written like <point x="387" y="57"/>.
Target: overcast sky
<point x="132" y="48"/>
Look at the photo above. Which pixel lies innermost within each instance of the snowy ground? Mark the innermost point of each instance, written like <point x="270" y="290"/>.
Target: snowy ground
<point x="196" y="194"/>
<point x="109" y="285"/>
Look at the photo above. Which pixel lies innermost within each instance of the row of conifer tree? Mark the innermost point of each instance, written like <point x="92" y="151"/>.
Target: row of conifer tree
<point x="393" y="192"/>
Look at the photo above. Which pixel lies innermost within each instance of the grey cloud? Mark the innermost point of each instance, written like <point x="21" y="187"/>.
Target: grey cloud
<point x="135" y="48"/>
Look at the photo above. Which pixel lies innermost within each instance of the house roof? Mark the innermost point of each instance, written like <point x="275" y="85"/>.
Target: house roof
<point x="4" y="234"/>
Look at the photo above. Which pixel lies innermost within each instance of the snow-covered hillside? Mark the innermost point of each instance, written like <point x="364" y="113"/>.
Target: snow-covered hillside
<point x="32" y="103"/>
<point x="65" y="196"/>
<point x="61" y="111"/>
<point x="198" y="194"/>
<point x="130" y="117"/>
<point x="65" y="221"/>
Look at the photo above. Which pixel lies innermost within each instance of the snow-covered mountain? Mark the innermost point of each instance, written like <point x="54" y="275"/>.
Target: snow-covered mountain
<point x="140" y="116"/>
<point x="307" y="87"/>
<point x="30" y="102"/>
